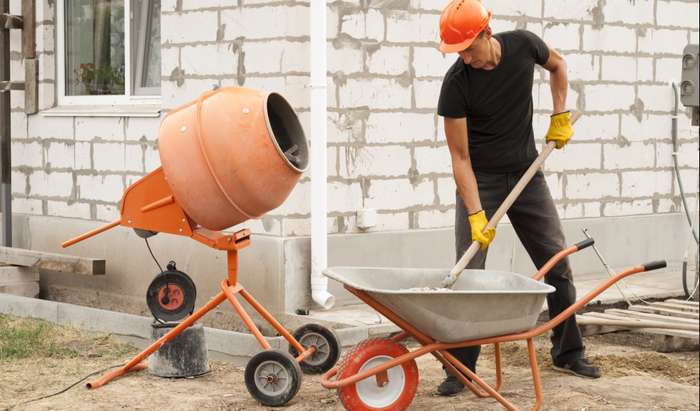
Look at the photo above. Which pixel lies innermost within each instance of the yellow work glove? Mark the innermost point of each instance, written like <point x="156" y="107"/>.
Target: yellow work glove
<point x="478" y="222"/>
<point x="560" y="130"/>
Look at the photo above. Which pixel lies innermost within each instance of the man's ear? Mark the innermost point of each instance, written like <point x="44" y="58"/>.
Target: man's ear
<point x="487" y="32"/>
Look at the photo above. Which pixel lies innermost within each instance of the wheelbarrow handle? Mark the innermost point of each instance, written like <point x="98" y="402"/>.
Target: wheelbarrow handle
<point x="450" y="279"/>
<point x="654" y="265"/>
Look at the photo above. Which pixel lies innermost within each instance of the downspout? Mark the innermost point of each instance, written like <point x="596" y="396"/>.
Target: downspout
<point x="319" y="207"/>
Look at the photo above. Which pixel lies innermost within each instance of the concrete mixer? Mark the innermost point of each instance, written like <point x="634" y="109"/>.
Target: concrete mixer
<point x="230" y="155"/>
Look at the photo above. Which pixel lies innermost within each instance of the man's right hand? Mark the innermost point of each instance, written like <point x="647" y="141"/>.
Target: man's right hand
<point x="478" y="223"/>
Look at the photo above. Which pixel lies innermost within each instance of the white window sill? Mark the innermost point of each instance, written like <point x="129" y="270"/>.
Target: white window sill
<point x="140" y="110"/>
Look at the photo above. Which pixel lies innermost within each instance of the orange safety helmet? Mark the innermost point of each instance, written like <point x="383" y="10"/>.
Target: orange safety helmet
<point x="460" y="23"/>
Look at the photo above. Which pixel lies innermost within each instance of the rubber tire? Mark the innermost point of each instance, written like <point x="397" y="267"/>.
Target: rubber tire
<point x="171" y="277"/>
<point x="331" y="339"/>
<point x="358" y="356"/>
<point x="284" y="360"/>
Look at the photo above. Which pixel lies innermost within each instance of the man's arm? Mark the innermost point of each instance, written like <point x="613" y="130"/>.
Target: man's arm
<point x="456" y="133"/>
<point x="558" y="80"/>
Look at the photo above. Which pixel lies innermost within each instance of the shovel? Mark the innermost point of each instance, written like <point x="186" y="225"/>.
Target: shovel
<point x="450" y="279"/>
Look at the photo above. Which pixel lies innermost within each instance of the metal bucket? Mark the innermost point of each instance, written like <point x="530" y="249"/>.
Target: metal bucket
<point x="482" y="303"/>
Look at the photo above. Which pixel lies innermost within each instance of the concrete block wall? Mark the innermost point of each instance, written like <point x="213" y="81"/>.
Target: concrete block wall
<point x="386" y="146"/>
<point x="388" y="143"/>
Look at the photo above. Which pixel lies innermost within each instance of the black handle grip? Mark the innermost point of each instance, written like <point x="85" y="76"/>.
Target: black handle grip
<point x="654" y="265"/>
<point x="585" y="243"/>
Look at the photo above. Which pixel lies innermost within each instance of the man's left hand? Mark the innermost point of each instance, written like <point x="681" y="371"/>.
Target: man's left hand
<point x="560" y="130"/>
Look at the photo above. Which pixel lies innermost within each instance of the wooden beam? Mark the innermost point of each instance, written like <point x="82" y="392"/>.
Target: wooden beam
<point x="52" y="262"/>
<point x="29" y="30"/>
<point x="675" y="306"/>
<point x="31" y="87"/>
<point x="684" y="302"/>
<point x="648" y="316"/>
<point x="663" y="311"/>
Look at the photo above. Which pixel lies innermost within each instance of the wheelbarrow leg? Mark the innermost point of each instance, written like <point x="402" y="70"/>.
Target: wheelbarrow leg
<point x="535" y="374"/>
<point x="475" y="378"/>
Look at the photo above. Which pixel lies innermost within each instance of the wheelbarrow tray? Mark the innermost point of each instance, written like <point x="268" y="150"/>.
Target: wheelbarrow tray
<point x="482" y="303"/>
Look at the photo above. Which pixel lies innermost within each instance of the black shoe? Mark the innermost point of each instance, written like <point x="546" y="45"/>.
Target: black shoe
<point x="450" y="386"/>
<point x="580" y="368"/>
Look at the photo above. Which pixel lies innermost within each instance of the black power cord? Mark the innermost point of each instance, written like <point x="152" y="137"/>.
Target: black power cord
<point x="152" y="255"/>
<point x="65" y="389"/>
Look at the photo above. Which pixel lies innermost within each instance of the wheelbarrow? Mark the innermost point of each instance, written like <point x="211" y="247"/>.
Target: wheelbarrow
<point x="483" y="307"/>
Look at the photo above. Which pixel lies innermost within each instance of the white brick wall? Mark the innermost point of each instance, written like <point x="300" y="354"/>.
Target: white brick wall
<point x="386" y="161"/>
<point x="569" y="9"/>
<point x="562" y="36"/>
<point x="592" y="186"/>
<point x="635" y="155"/>
<point x="400" y="127"/>
<point x="608" y="97"/>
<point x="388" y="60"/>
<point x="387" y="146"/>
<point x="609" y="38"/>
<point x="433" y="160"/>
<point x="179" y="28"/>
<point x="676" y="13"/>
<point x="637" y="12"/>
<point x="378" y="93"/>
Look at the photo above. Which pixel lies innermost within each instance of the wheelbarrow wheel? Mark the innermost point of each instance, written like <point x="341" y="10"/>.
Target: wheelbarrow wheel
<point x="392" y="390"/>
<point x="273" y="377"/>
<point x="327" y="348"/>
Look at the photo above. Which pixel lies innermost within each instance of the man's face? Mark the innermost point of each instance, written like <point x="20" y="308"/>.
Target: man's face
<point x="478" y="53"/>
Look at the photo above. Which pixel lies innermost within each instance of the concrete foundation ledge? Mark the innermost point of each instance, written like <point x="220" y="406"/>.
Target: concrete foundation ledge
<point x="226" y="345"/>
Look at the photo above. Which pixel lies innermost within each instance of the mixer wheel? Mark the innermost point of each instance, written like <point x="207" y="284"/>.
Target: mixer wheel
<point x="392" y="390"/>
<point x="273" y="377"/>
<point x="171" y="295"/>
<point x="327" y="348"/>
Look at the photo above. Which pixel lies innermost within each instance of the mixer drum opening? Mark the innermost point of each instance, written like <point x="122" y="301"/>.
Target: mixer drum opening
<point x="286" y="131"/>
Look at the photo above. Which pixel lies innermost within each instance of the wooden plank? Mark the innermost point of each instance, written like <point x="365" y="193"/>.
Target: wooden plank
<point x="674" y="306"/>
<point x="664" y="340"/>
<point x="627" y="322"/>
<point x="676" y="301"/>
<point x="664" y="311"/>
<point x="647" y="316"/>
<point x="31" y="87"/>
<point x="29" y="29"/>
<point x="39" y="260"/>
<point x="670" y="343"/>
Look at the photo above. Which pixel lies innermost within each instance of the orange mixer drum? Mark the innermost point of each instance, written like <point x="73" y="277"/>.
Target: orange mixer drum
<point x="232" y="154"/>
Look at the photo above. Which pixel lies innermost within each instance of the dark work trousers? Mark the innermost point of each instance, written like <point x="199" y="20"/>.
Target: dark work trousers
<point x="536" y="222"/>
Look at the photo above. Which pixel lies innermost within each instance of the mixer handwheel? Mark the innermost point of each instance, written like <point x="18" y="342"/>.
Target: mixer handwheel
<point x="171" y="295"/>
<point x="393" y="389"/>
<point x="273" y="377"/>
<point x="327" y="348"/>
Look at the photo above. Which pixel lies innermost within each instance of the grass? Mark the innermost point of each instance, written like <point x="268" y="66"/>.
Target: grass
<point x="22" y="338"/>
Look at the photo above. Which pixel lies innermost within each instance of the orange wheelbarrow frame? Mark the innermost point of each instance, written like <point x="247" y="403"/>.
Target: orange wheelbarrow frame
<point x="456" y="367"/>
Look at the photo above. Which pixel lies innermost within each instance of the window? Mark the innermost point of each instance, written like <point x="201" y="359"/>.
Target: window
<point x="104" y="58"/>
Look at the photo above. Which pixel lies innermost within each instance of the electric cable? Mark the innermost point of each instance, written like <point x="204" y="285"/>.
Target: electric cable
<point x="674" y="155"/>
<point x="64" y="389"/>
<point x="152" y="255"/>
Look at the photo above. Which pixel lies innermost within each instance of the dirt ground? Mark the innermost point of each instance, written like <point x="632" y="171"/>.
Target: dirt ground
<point x="635" y="378"/>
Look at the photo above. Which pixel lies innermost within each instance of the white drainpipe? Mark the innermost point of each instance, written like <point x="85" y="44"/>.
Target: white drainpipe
<point x="319" y="208"/>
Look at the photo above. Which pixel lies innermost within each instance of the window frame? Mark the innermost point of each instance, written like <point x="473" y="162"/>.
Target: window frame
<point x="128" y="98"/>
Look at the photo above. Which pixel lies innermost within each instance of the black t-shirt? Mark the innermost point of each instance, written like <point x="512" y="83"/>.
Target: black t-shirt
<point x="497" y="103"/>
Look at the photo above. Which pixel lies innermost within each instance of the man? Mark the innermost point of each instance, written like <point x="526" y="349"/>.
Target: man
<point x="486" y="102"/>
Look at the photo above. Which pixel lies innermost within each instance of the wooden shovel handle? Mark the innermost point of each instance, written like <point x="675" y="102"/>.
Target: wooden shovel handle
<point x="493" y="222"/>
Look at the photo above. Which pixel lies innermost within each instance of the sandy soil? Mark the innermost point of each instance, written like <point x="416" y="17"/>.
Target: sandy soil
<point x="635" y="378"/>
